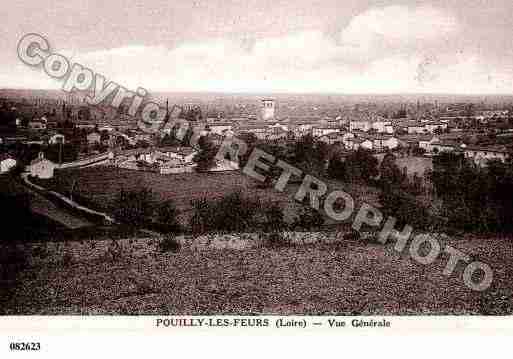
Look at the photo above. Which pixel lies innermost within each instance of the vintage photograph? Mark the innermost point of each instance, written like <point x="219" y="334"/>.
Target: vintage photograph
<point x="256" y="157"/>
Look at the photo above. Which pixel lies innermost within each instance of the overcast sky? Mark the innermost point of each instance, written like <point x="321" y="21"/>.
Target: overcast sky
<point x="335" y="46"/>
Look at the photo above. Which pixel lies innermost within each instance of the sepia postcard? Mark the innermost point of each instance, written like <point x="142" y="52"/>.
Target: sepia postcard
<point x="255" y="166"/>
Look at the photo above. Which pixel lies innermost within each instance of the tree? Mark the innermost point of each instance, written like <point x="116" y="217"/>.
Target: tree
<point x="142" y="144"/>
<point x="309" y="154"/>
<point x="474" y="198"/>
<point x="167" y="213"/>
<point x="336" y="168"/>
<point x="104" y="136"/>
<point x="416" y="187"/>
<point x="134" y="207"/>
<point x="273" y="217"/>
<point x="390" y="174"/>
<point x="405" y="208"/>
<point x="169" y="140"/>
<point x="361" y="166"/>
<point x="231" y="213"/>
<point x="191" y="114"/>
<point x="205" y="158"/>
<point x="308" y="218"/>
<point x="62" y="153"/>
<point x="418" y="151"/>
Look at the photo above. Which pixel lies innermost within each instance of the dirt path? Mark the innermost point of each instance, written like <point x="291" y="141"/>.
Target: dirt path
<point x="45" y="207"/>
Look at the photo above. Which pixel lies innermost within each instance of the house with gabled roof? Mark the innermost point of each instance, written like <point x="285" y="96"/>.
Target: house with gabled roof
<point x="42" y="167"/>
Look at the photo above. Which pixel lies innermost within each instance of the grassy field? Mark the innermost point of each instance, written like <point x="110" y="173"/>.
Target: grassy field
<point x="354" y="279"/>
<point x="101" y="184"/>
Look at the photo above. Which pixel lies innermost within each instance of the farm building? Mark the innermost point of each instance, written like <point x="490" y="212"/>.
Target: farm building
<point x="41" y="167"/>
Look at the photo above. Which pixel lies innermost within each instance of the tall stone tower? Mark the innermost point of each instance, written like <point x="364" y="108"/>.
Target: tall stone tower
<point x="268" y="109"/>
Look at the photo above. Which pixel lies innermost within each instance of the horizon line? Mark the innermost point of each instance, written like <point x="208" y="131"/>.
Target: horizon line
<point x="325" y="93"/>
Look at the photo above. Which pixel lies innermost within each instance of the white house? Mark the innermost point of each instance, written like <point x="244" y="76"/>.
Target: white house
<point x="347" y="140"/>
<point x="380" y="142"/>
<point x="432" y="126"/>
<point x="259" y="131"/>
<point x="322" y="131"/>
<point x="56" y="139"/>
<point x="383" y="126"/>
<point x="275" y="133"/>
<point x="482" y="154"/>
<point x="224" y="165"/>
<point x="106" y="127"/>
<point x="41" y="167"/>
<point x="302" y="128"/>
<point x="332" y="138"/>
<point x="37" y="125"/>
<point x="363" y="143"/>
<point x="444" y="146"/>
<point x="220" y="128"/>
<point x="183" y="153"/>
<point x="360" y="125"/>
<point x="6" y="163"/>
<point x="425" y="142"/>
<point x="390" y="142"/>
<point x="228" y="133"/>
<point x="416" y="127"/>
<point x="93" y="137"/>
<point x="279" y="125"/>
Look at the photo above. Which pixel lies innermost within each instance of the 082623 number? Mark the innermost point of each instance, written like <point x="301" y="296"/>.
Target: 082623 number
<point x="25" y="346"/>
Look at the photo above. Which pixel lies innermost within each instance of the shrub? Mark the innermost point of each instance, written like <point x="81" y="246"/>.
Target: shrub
<point x="13" y="260"/>
<point x="308" y="219"/>
<point x="67" y="259"/>
<point x="273" y="218"/>
<point x="353" y="235"/>
<point x="113" y="253"/>
<point x="205" y="158"/>
<point x="418" y="151"/>
<point x="360" y="166"/>
<point x="405" y="208"/>
<point x="232" y="213"/>
<point x="133" y="207"/>
<point x="169" y="244"/>
<point x="390" y="174"/>
<point x="276" y="240"/>
<point x="201" y="220"/>
<point x="336" y="168"/>
<point x="167" y="214"/>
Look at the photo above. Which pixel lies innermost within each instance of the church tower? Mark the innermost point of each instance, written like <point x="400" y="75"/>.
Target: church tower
<point x="268" y="109"/>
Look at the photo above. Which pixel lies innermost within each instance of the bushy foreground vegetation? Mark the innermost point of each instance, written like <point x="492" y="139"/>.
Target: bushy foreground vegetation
<point x="234" y="212"/>
<point x="475" y="199"/>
